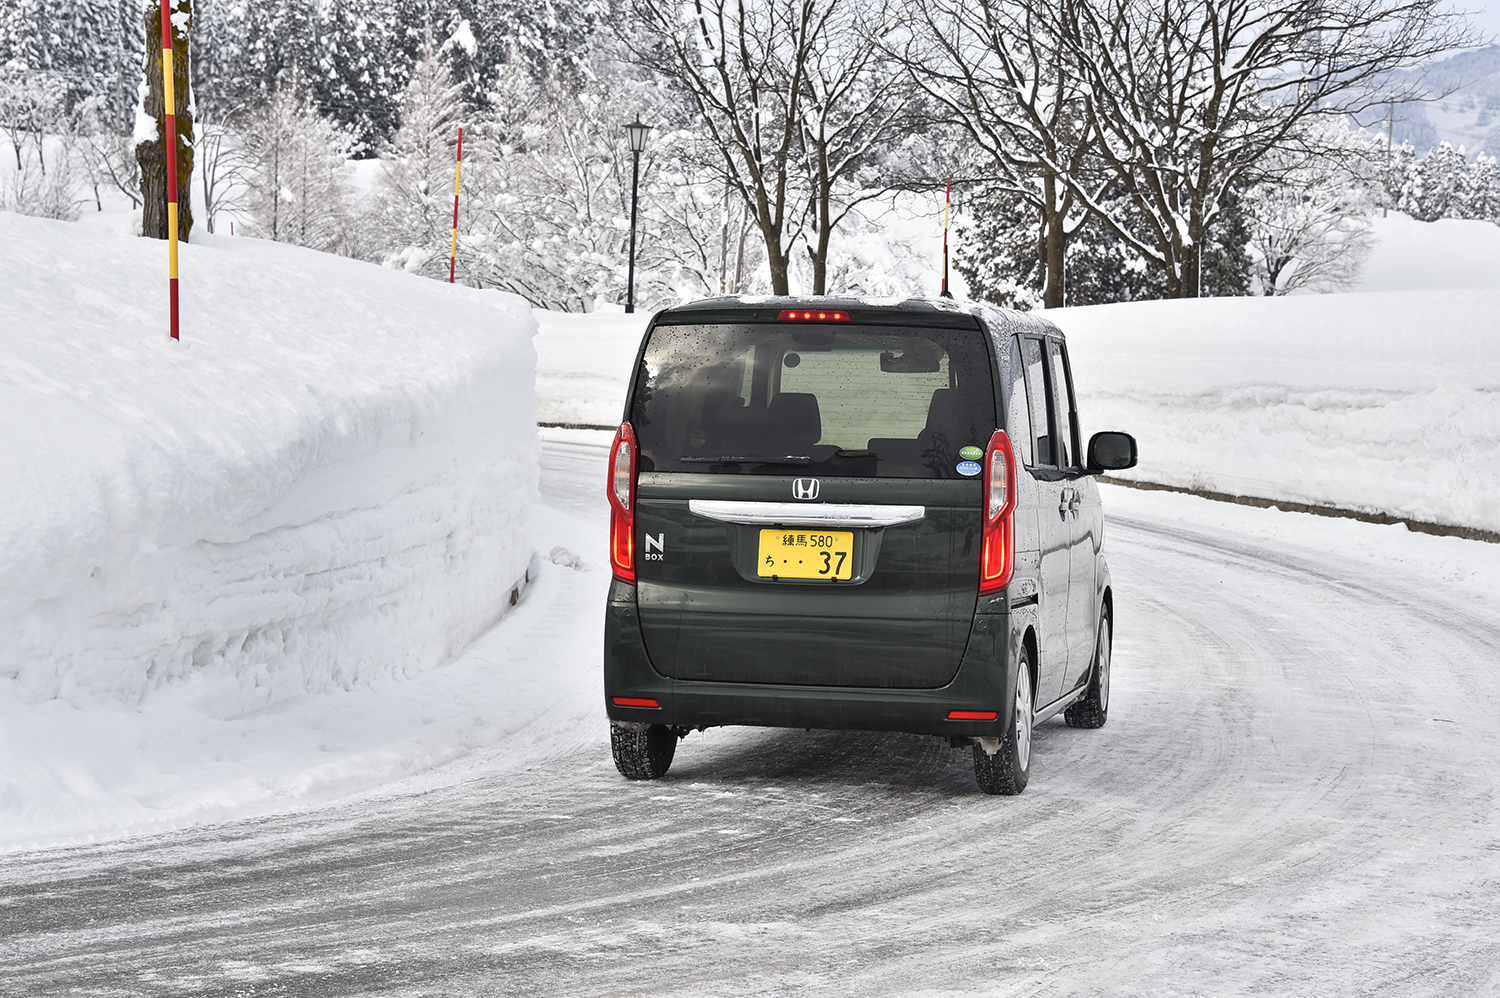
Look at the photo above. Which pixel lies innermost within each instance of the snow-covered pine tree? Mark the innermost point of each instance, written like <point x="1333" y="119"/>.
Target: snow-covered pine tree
<point x="416" y="178"/>
<point x="999" y="235"/>
<point x="298" y="185"/>
<point x="354" y="81"/>
<point x="1392" y="173"/>
<point x="78" y="40"/>
<point x="1003" y="241"/>
<point x="1484" y="189"/>
<point x="1438" y="188"/>
<point x="1226" y="260"/>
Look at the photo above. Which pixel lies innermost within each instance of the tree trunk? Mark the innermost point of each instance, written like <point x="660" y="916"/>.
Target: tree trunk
<point x="1056" y="245"/>
<point x="776" y="263"/>
<point x="152" y="154"/>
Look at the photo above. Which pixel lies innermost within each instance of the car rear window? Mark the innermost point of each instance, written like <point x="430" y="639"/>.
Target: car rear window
<point x="773" y="399"/>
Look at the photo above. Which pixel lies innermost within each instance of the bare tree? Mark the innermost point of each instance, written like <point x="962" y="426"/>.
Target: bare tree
<point x="741" y="66"/>
<point x="223" y="165"/>
<point x="297" y="185"/>
<point x="1188" y="98"/>
<point x="791" y="98"/>
<point x="1172" y="104"/>
<point x="1000" y="72"/>
<point x="857" y="99"/>
<point x="1309" y="217"/>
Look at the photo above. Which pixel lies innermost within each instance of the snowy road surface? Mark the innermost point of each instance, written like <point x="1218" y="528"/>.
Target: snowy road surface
<point x="1298" y="792"/>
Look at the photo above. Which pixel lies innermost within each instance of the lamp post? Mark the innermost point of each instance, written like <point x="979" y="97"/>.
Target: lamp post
<point x="637" y="133"/>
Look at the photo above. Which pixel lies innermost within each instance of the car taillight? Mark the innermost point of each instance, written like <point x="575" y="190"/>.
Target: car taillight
<point x="997" y="556"/>
<point x="622" y="455"/>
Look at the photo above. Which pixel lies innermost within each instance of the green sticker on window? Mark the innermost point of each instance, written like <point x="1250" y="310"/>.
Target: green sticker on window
<point x="970" y="453"/>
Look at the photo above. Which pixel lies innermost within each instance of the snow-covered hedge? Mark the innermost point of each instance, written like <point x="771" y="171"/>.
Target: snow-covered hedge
<point x="328" y="480"/>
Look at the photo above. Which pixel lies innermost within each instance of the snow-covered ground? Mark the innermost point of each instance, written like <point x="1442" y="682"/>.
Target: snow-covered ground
<point x="328" y="483"/>
<point x="1295" y="795"/>
<point x="168" y="511"/>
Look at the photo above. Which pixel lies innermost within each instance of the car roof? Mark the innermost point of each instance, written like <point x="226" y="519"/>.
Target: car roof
<point x="868" y="311"/>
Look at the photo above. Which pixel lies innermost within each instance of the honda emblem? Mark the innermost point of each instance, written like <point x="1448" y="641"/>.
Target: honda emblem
<point x="805" y="488"/>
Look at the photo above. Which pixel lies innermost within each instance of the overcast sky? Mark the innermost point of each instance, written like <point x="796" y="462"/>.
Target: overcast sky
<point x="1486" y="15"/>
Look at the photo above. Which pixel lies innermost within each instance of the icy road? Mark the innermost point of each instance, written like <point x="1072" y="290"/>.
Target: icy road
<point x="1296" y="794"/>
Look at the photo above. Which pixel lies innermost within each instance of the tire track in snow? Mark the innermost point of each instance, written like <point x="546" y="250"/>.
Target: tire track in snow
<point x="1270" y="809"/>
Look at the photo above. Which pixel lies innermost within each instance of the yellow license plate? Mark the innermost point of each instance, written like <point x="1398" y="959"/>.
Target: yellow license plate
<point x="806" y="554"/>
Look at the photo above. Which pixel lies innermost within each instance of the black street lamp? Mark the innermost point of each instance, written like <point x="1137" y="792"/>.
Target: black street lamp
<point x="637" y="132"/>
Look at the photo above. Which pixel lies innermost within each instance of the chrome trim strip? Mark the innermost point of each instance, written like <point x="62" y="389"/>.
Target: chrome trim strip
<point x="802" y="514"/>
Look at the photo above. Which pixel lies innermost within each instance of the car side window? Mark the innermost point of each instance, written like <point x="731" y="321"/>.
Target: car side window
<point x="1036" y="390"/>
<point x="1018" y="416"/>
<point x="1066" y="417"/>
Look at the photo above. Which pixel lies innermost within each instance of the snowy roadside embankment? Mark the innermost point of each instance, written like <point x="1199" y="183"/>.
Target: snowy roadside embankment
<point x="330" y="480"/>
<point x="1385" y="402"/>
<point x="583" y="362"/>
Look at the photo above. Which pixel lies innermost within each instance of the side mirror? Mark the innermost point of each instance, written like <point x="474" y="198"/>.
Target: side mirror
<point x="1111" y="451"/>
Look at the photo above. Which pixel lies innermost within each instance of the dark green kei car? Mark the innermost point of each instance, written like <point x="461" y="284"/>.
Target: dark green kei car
<point x="835" y="514"/>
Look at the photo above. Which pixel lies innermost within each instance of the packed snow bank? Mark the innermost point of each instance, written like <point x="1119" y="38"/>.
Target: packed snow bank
<point x="1380" y="402"/>
<point x="329" y="480"/>
<point x="1424" y="256"/>
<point x="583" y="362"/>
<point x="523" y="692"/>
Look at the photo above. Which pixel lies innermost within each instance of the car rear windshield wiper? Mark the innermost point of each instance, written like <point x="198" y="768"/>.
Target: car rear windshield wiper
<point x="748" y="459"/>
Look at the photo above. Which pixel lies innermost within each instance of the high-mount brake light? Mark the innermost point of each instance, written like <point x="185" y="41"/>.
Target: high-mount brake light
<point x="812" y="315"/>
<point x="998" y="554"/>
<point x="622" y="460"/>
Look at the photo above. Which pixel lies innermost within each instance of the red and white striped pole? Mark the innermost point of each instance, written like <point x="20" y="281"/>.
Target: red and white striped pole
<point x="457" y="170"/>
<point x="169" y="137"/>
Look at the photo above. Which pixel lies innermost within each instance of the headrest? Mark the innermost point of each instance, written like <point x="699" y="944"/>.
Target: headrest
<point x="796" y="419"/>
<point x="947" y="412"/>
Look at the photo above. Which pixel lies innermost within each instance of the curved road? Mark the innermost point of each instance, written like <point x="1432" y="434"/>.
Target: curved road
<point x="1298" y="792"/>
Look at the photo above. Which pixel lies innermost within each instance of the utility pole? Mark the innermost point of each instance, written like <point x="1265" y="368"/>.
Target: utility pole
<point x="1390" y="131"/>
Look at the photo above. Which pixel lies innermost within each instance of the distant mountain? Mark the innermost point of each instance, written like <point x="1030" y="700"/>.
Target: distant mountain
<point x="1469" y="116"/>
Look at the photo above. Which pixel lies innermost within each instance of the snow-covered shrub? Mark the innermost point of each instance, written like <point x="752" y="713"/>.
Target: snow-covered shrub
<point x="31" y="191"/>
<point x="1309" y="217"/>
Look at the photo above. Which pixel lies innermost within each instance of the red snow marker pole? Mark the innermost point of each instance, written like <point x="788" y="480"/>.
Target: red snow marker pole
<point x="169" y="137"/>
<point x="947" y="203"/>
<point x="458" y="167"/>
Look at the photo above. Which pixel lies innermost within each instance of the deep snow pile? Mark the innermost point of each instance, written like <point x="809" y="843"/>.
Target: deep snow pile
<point x="328" y="481"/>
<point x="1424" y="256"/>
<point x="1378" y="402"/>
<point x="583" y="361"/>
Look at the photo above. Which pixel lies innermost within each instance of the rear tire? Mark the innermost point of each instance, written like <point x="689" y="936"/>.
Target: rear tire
<point x="1007" y="771"/>
<point x="642" y="754"/>
<point x="1092" y="709"/>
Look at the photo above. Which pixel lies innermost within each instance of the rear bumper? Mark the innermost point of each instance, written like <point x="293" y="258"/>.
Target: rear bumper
<point x="984" y="682"/>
